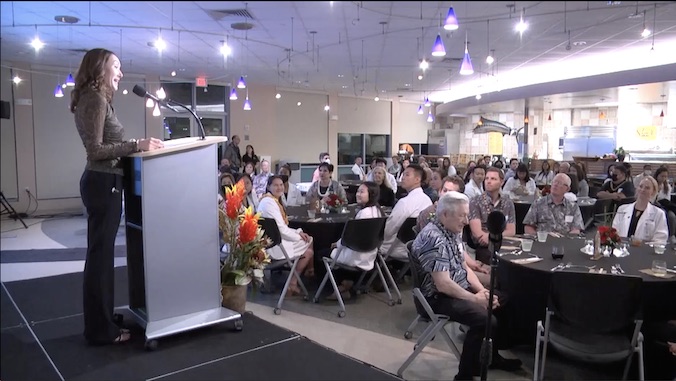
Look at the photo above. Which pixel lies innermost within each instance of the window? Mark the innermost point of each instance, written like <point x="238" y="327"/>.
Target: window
<point x="176" y="127"/>
<point x="376" y="146"/>
<point x="179" y="92"/>
<point x="210" y="98"/>
<point x="366" y="146"/>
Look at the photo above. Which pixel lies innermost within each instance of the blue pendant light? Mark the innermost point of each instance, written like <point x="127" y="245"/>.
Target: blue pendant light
<point x="430" y="118"/>
<point x="420" y="110"/>
<point x="466" y="66"/>
<point x="241" y="84"/>
<point x="58" y="92"/>
<point x="438" y="49"/>
<point x="233" y="94"/>
<point x="427" y="102"/>
<point x="70" y="82"/>
<point x="451" y="20"/>
<point x="247" y="104"/>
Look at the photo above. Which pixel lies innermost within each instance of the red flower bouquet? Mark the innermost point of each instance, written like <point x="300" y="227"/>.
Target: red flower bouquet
<point x="335" y="202"/>
<point x="547" y="189"/>
<point x="609" y="236"/>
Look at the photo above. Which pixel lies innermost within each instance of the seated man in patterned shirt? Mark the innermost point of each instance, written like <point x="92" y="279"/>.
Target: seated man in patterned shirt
<point x="451" y="287"/>
<point x="481" y="206"/>
<point x="554" y="213"/>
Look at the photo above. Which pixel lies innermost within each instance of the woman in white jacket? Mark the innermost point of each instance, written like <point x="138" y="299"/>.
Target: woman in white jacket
<point x="642" y="219"/>
<point x="521" y="184"/>
<point x="367" y="200"/>
<point x="292" y="196"/>
<point x="294" y="241"/>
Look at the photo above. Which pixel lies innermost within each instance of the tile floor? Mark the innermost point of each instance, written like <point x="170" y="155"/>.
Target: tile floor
<point x="383" y="347"/>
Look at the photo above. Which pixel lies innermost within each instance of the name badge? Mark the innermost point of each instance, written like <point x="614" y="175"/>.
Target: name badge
<point x="569" y="219"/>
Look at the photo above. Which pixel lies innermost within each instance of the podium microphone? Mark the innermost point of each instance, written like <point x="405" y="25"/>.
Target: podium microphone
<point x="168" y="103"/>
<point x="496" y="224"/>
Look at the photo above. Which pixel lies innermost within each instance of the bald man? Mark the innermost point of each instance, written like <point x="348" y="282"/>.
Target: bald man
<point x="553" y="212"/>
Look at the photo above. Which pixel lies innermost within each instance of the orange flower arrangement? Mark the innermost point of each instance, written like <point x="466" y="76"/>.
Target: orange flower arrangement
<point x="239" y="226"/>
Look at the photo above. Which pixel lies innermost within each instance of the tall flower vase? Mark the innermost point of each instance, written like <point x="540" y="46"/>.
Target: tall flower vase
<point x="234" y="298"/>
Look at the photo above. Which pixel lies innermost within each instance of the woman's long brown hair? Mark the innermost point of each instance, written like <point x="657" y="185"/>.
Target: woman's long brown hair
<point x="91" y="74"/>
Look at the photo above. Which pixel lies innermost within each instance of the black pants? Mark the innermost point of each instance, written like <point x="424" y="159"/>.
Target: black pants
<point x="473" y="315"/>
<point x="102" y="196"/>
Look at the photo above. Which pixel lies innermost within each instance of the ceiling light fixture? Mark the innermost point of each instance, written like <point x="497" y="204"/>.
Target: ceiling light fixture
<point x="427" y="102"/>
<point x="327" y="108"/>
<point x="489" y="58"/>
<point x="646" y="32"/>
<point x="58" y="92"/>
<point x="521" y="26"/>
<point x="36" y="43"/>
<point x="466" y="66"/>
<point x="420" y="110"/>
<point x="241" y="84"/>
<point x="438" y="49"/>
<point x="233" y="94"/>
<point x="173" y="73"/>
<point x="550" y="117"/>
<point x="156" y="110"/>
<point x="247" y="104"/>
<point x="125" y="92"/>
<point x="16" y="79"/>
<point x="278" y="95"/>
<point x="662" y="114"/>
<point x="424" y="65"/>
<point x="150" y="103"/>
<point x="451" y="20"/>
<point x="225" y="49"/>
<point x="430" y="118"/>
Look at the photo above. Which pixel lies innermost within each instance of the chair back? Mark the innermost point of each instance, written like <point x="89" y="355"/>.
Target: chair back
<point x="364" y="235"/>
<point x="599" y="303"/>
<point x="417" y="274"/>
<point x="271" y="230"/>
<point x="406" y="232"/>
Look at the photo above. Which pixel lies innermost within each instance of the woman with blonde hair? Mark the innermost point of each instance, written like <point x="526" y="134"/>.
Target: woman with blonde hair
<point x="386" y="195"/>
<point x="642" y="219"/>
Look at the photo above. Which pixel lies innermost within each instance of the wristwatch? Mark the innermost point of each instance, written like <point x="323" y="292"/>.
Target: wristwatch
<point x="136" y="149"/>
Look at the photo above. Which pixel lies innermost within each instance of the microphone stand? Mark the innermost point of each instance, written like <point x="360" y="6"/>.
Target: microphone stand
<point x="197" y="118"/>
<point x="494" y="244"/>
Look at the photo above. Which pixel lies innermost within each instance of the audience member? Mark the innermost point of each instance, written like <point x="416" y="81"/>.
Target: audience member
<point x="545" y="176"/>
<point x="647" y="171"/>
<point x="357" y="169"/>
<point x="520" y="184"/>
<point x="619" y="188"/>
<point x="641" y="219"/>
<point x="250" y="156"/>
<point x="449" y="168"/>
<point x="410" y="206"/>
<point x="481" y="206"/>
<point x="664" y="199"/>
<point x="468" y="173"/>
<point x="386" y="194"/>
<point x="296" y="243"/>
<point x="367" y="201"/>
<point x="260" y="181"/>
<point x="511" y="171"/>
<point x="250" y="169"/>
<point x="451" y="287"/>
<point x="291" y="196"/>
<point x="232" y="153"/>
<point x="250" y="197"/>
<point x="609" y="172"/>
<point x="475" y="186"/>
<point x="553" y="212"/>
<point x="582" y="184"/>
<point x="323" y="158"/>
<point x="380" y="162"/>
<point x="321" y="189"/>
<point x="564" y="167"/>
<point x="395" y="169"/>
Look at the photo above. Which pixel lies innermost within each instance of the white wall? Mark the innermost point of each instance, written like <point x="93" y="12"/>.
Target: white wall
<point x="8" y="185"/>
<point x="364" y="116"/>
<point x="301" y="127"/>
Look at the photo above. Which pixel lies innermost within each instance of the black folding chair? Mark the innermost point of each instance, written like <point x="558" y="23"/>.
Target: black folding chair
<point x="592" y="318"/>
<point x="435" y="322"/>
<point x="363" y="235"/>
<point x="405" y="234"/>
<point x="271" y="230"/>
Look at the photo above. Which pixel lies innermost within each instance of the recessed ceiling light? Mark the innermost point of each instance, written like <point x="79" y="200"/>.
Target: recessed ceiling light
<point x="66" y="19"/>
<point x="579" y="43"/>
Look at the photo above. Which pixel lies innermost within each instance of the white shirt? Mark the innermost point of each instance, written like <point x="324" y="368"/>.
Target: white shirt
<point x="410" y="206"/>
<point x="293" y="198"/>
<point x="651" y="226"/>
<point x="513" y="184"/>
<point x="472" y="189"/>
<point x="544" y="178"/>
<point x="638" y="178"/>
<point x="357" y="170"/>
<point x="291" y="240"/>
<point x="452" y="171"/>
<point x="363" y="260"/>
<point x="390" y="179"/>
<point x="661" y="195"/>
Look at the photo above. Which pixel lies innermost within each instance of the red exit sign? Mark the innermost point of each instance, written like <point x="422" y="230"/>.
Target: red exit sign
<point x="201" y="81"/>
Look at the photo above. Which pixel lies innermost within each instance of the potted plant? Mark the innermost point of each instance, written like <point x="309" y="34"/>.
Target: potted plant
<point x="246" y="244"/>
<point x="619" y="152"/>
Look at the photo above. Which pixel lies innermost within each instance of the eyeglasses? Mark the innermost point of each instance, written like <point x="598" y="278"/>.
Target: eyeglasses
<point x="559" y="183"/>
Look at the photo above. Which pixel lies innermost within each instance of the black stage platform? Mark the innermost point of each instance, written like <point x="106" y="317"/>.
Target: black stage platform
<point x="41" y="336"/>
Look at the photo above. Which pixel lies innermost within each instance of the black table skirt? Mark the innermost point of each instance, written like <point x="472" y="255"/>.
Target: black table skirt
<point x="527" y="285"/>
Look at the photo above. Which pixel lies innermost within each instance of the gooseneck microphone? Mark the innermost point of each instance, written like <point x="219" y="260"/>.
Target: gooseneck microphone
<point x="168" y="103"/>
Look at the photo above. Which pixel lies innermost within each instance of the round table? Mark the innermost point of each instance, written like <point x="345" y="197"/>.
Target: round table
<point x="522" y="205"/>
<point x="527" y="285"/>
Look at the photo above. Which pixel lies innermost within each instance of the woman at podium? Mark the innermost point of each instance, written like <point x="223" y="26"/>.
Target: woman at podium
<point x="102" y="135"/>
<point x="294" y="241"/>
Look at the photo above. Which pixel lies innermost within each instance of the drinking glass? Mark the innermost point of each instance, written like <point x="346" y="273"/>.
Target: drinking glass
<point x="589" y="246"/>
<point x="311" y="213"/>
<point x="659" y="268"/>
<point x="659" y="249"/>
<point x="542" y="236"/>
<point x="526" y="245"/>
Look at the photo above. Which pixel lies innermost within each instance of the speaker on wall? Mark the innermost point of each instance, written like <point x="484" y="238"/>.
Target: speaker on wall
<point x="4" y="110"/>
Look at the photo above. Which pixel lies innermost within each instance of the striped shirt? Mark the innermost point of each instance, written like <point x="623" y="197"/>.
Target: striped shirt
<point x="436" y="249"/>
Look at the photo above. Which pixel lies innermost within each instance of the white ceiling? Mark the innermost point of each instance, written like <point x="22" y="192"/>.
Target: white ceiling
<point x="359" y="48"/>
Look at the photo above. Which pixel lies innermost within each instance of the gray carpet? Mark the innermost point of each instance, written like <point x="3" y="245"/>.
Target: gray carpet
<point x="51" y="255"/>
<point x="72" y="232"/>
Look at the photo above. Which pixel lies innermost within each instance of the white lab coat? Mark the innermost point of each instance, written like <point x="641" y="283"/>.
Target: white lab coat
<point x="294" y="198"/>
<point x="359" y="171"/>
<point x="410" y="206"/>
<point x="363" y="260"/>
<point x="291" y="240"/>
<point x="652" y="226"/>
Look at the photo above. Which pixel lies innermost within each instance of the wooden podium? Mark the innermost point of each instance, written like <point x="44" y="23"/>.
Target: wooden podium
<point x="173" y="242"/>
